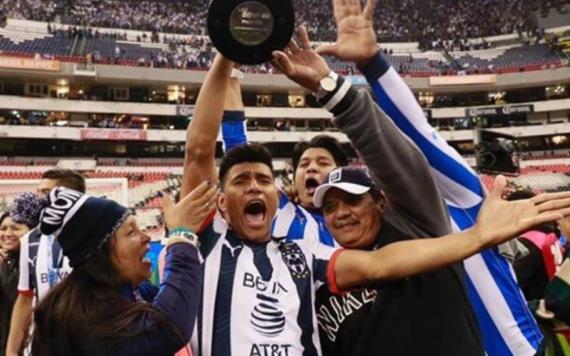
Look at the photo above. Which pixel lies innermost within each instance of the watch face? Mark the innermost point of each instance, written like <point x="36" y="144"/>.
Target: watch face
<point x="328" y="84"/>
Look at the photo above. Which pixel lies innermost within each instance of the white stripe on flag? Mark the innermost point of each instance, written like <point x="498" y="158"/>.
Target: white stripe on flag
<point x="497" y="307"/>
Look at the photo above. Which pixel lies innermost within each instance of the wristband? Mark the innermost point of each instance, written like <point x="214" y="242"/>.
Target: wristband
<point x="185" y="233"/>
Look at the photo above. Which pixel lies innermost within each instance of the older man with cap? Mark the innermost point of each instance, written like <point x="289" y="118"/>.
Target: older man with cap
<point x="424" y="307"/>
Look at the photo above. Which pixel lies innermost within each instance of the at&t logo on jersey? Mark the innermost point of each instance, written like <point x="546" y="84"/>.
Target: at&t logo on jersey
<point x="266" y="317"/>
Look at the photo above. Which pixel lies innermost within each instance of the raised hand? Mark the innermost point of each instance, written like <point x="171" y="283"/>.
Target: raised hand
<point x="300" y="63"/>
<point x="356" y="39"/>
<point x="500" y="220"/>
<point x="193" y="210"/>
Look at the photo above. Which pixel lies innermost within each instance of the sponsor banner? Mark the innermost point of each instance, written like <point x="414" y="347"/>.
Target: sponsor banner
<point x="113" y="135"/>
<point x="463" y="80"/>
<point x="501" y="110"/>
<point x="184" y="110"/>
<point x="29" y="63"/>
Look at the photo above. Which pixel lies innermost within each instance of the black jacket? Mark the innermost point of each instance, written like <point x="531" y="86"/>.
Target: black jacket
<point x="9" y="273"/>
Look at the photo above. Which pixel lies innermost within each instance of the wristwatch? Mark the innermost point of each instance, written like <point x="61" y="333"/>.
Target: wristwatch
<point x="327" y="85"/>
<point x="184" y="233"/>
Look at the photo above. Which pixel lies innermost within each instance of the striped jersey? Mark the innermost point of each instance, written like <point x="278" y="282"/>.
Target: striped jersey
<point x="291" y="221"/>
<point x="259" y="299"/>
<point x="42" y="264"/>
<point x="506" y="323"/>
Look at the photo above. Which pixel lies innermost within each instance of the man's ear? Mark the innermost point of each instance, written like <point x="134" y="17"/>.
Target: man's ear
<point x="222" y="202"/>
<point x="382" y="202"/>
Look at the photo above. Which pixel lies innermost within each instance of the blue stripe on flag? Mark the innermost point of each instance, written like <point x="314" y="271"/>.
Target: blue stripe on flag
<point x="437" y="158"/>
<point x="464" y="219"/>
<point x="508" y="286"/>
<point x="497" y="344"/>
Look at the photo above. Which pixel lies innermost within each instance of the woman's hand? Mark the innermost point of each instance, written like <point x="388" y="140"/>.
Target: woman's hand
<point x="192" y="210"/>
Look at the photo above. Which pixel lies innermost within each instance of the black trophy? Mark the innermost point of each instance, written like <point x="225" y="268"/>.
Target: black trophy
<point x="247" y="31"/>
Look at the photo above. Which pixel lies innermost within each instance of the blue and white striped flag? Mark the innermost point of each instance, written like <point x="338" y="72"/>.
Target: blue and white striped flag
<point x="506" y="323"/>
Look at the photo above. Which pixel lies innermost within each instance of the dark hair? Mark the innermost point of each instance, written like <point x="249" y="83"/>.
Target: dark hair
<point x="246" y="153"/>
<point x="521" y="194"/>
<point x="88" y="305"/>
<point x="326" y="142"/>
<point x="67" y="178"/>
<point x="4" y="216"/>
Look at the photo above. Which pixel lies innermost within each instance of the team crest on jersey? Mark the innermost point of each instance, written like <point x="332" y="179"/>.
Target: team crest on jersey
<point x="295" y="259"/>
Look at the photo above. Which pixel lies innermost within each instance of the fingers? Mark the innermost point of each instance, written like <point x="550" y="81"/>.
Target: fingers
<point x="211" y="203"/>
<point x="355" y="7"/>
<point x="167" y="203"/>
<point x="539" y="199"/>
<point x="541" y="219"/>
<point x="304" y="37"/>
<point x="328" y="50"/>
<point x="368" y="12"/>
<point x="198" y="191"/>
<point x="293" y="46"/>
<point x="282" y="62"/>
<point x="341" y="9"/>
<point x="207" y="197"/>
<point x="553" y="205"/>
<point x="499" y="186"/>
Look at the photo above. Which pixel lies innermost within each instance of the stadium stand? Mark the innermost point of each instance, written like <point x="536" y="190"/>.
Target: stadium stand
<point x="538" y="174"/>
<point x="401" y="21"/>
<point x="539" y="56"/>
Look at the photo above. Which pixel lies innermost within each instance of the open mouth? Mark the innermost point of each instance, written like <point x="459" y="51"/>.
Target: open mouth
<point x="255" y="212"/>
<point x="147" y="258"/>
<point x="311" y="185"/>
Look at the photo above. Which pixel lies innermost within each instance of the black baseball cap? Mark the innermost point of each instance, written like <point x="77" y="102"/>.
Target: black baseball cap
<point x="353" y="180"/>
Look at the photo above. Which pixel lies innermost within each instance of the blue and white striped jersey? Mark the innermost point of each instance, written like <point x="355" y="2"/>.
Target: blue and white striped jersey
<point x="258" y="299"/>
<point x="292" y="220"/>
<point x="42" y="264"/>
<point x="506" y="323"/>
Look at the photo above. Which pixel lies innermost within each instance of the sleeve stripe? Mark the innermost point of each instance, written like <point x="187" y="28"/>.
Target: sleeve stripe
<point x="331" y="277"/>
<point x="338" y="96"/>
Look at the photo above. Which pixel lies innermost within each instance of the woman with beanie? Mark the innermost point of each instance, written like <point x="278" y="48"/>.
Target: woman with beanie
<point x="106" y="306"/>
<point x="10" y="234"/>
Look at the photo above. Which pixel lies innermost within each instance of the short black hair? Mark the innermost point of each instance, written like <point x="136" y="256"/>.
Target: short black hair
<point x="66" y="178"/>
<point x="326" y="142"/>
<point x="520" y="194"/>
<point x="246" y="153"/>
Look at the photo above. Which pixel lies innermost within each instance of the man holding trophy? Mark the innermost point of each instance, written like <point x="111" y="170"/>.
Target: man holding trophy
<point x="259" y="289"/>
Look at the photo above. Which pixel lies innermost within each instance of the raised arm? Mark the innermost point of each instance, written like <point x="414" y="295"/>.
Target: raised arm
<point x="356" y="42"/>
<point x="510" y="329"/>
<point x="234" y="121"/>
<point x="498" y="221"/>
<point x="202" y="133"/>
<point x="401" y="168"/>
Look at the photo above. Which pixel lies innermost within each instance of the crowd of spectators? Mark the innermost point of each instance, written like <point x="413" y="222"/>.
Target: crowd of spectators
<point x="433" y="23"/>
